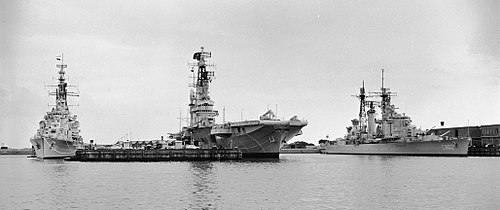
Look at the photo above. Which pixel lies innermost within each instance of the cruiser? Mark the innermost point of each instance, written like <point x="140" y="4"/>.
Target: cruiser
<point x="58" y="135"/>
<point x="260" y="138"/>
<point x="393" y="134"/>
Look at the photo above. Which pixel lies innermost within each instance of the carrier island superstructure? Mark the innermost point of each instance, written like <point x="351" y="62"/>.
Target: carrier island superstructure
<point x="258" y="138"/>
<point x="58" y="135"/>
<point x="393" y="134"/>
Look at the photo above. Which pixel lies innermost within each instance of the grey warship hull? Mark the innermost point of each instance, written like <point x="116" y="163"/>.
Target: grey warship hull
<point x="260" y="139"/>
<point x="393" y="134"/>
<point x="256" y="139"/>
<point x="456" y="147"/>
<point x="46" y="148"/>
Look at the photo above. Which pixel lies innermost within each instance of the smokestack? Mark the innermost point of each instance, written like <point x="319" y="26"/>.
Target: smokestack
<point x="442" y="123"/>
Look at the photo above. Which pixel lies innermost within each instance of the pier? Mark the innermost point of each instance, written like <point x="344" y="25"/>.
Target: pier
<point x="483" y="151"/>
<point x="127" y="155"/>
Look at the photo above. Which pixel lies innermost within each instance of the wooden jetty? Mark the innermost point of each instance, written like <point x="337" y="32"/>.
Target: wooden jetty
<point x="124" y="155"/>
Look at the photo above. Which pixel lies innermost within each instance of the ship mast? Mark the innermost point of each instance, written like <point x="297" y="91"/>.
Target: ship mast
<point x="386" y="108"/>
<point x="61" y="91"/>
<point x="385" y="94"/>
<point x="362" y="112"/>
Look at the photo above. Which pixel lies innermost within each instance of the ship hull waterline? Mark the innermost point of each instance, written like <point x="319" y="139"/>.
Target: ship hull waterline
<point x="457" y="147"/>
<point x="255" y="141"/>
<point x="49" y="148"/>
<point x="262" y="141"/>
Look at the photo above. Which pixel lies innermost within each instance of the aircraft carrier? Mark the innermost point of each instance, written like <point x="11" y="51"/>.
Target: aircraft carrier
<point x="259" y="138"/>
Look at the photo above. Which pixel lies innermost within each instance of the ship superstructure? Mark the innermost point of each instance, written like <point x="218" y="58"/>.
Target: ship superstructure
<point x="201" y="107"/>
<point x="255" y="138"/>
<point x="393" y="133"/>
<point x="58" y="135"/>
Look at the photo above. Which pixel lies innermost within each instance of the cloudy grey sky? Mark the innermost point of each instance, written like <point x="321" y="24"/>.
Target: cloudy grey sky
<point x="130" y="60"/>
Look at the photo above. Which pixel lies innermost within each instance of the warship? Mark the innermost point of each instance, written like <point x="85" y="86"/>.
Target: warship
<point x="260" y="138"/>
<point x="393" y="134"/>
<point x="58" y="135"/>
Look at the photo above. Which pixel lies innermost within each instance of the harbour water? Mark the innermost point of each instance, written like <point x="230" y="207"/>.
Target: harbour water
<point x="296" y="181"/>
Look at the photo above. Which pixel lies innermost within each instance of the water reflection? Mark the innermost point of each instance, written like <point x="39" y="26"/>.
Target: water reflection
<point x="48" y="161"/>
<point x="293" y="182"/>
<point x="260" y="160"/>
<point x="204" y="192"/>
<point x="53" y="182"/>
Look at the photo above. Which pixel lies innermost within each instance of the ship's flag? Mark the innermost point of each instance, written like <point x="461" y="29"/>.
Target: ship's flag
<point x="58" y="57"/>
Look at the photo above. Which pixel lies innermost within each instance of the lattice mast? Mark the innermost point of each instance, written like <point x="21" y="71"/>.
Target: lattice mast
<point x="362" y="112"/>
<point x="387" y="109"/>
<point x="61" y="92"/>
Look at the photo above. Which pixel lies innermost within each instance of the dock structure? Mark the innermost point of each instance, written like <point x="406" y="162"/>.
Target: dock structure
<point x="128" y="155"/>
<point x="484" y="151"/>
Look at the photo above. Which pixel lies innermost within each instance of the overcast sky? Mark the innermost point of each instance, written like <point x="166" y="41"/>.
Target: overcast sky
<point x="308" y="57"/>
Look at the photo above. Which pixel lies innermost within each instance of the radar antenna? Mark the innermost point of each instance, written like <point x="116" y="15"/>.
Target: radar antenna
<point x="201" y="106"/>
<point x="61" y="89"/>
<point x="385" y="94"/>
<point x="362" y="104"/>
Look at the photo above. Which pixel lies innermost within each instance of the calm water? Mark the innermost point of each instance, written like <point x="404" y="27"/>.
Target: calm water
<point x="310" y="181"/>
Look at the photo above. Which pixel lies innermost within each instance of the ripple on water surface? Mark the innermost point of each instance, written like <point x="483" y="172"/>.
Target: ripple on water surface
<point x="296" y="181"/>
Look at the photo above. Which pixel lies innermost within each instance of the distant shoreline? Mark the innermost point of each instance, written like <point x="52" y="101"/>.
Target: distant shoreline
<point x="299" y="151"/>
<point x="25" y="151"/>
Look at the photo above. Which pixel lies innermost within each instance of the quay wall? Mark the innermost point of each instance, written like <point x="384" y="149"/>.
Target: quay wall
<point x="156" y="155"/>
<point x="483" y="151"/>
<point x="16" y="151"/>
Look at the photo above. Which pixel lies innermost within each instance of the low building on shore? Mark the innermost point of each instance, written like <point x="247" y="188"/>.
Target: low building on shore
<point x="482" y="136"/>
<point x="148" y="144"/>
<point x="299" y="145"/>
